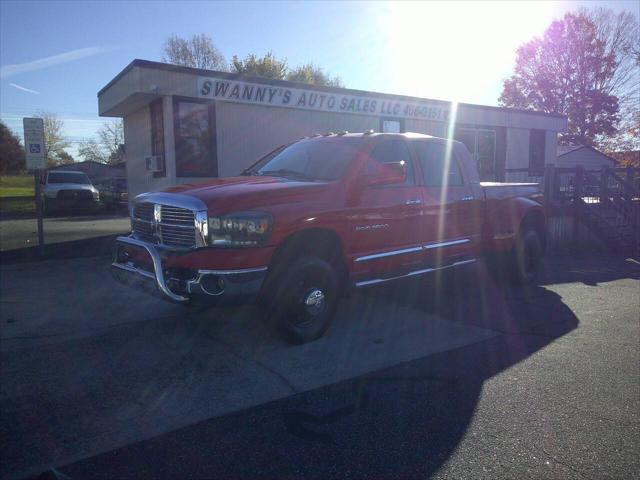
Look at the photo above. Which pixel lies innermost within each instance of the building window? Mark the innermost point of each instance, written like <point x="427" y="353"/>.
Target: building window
<point x="536" y="152"/>
<point x="481" y="143"/>
<point x="391" y="125"/>
<point x="194" y="126"/>
<point x="157" y="135"/>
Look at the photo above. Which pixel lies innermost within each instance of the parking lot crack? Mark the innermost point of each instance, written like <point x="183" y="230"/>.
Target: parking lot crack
<point x="560" y="462"/>
<point x="255" y="361"/>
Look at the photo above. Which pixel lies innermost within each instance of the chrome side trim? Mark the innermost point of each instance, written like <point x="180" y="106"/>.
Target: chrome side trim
<point x="388" y="254"/>
<point x="428" y="246"/>
<point x="158" y="274"/>
<point x="412" y="274"/>
<point x="448" y="243"/>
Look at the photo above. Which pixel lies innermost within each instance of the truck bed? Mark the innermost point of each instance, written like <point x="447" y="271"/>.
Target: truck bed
<point x="502" y="191"/>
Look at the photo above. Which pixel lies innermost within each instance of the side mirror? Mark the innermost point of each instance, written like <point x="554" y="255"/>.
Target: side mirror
<point x="385" y="174"/>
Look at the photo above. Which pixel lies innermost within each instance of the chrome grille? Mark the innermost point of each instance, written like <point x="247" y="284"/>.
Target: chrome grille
<point x="143" y="211"/>
<point x="164" y="225"/>
<point x="176" y="216"/>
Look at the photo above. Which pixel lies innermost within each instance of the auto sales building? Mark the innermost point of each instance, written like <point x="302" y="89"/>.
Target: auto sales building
<point x="184" y="125"/>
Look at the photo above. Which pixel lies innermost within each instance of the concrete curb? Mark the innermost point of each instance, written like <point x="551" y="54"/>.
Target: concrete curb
<point x="90" y="247"/>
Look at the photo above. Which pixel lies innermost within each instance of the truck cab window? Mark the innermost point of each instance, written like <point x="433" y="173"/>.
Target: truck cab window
<point x="434" y="164"/>
<point x="394" y="151"/>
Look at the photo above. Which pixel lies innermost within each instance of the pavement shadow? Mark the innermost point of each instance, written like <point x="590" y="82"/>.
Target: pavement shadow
<point x="86" y="247"/>
<point x="403" y="421"/>
<point x="590" y="269"/>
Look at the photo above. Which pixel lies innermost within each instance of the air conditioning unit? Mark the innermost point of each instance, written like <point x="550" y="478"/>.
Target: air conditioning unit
<point x="154" y="163"/>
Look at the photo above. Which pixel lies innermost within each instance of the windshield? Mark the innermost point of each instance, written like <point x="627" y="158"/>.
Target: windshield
<point x="66" y="177"/>
<point x="322" y="159"/>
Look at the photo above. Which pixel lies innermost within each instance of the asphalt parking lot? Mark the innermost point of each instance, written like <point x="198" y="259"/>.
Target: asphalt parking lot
<point x="23" y="232"/>
<point x="464" y="380"/>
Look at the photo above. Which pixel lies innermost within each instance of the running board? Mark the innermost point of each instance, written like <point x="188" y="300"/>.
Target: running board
<point x="375" y="281"/>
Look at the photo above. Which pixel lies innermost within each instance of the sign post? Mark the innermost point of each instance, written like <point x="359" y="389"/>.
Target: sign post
<point x="36" y="160"/>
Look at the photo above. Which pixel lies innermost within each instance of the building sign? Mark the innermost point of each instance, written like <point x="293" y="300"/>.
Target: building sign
<point x="273" y="95"/>
<point x="34" y="143"/>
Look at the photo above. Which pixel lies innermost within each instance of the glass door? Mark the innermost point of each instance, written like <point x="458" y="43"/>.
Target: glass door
<point x="486" y="154"/>
<point x="482" y="146"/>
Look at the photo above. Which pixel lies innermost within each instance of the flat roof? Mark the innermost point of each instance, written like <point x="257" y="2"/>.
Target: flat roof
<point x="285" y="83"/>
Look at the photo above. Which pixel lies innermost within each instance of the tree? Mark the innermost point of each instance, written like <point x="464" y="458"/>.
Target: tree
<point x="620" y="35"/>
<point x="65" y="158"/>
<point x="55" y="143"/>
<point x="199" y="52"/>
<point x="570" y="71"/>
<point x="624" y="146"/>
<point x="310" y="73"/>
<point x="111" y="136"/>
<point x="268" y="66"/>
<point x="105" y="149"/>
<point x="91" y="151"/>
<point x="11" y="152"/>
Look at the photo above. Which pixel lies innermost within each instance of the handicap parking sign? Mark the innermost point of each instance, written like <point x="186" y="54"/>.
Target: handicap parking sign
<point x="34" y="143"/>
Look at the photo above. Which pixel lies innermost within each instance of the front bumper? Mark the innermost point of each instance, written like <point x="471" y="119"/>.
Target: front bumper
<point x="154" y="278"/>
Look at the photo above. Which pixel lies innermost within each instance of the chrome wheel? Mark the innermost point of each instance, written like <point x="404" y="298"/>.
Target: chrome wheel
<point x="314" y="301"/>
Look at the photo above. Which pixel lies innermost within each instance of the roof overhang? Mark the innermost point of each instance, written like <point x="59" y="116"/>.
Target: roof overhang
<point x="143" y="81"/>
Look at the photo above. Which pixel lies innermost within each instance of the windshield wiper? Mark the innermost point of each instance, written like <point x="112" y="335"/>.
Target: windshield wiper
<point x="284" y="172"/>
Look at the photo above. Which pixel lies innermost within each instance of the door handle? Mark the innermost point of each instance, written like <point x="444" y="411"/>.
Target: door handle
<point x="415" y="201"/>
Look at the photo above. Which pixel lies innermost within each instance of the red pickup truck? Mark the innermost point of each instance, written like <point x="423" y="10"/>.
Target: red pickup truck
<point x="323" y="214"/>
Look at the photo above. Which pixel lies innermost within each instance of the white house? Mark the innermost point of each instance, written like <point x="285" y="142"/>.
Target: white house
<point x="570" y="156"/>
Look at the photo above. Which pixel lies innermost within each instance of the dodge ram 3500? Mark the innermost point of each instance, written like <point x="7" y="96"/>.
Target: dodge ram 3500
<point x="323" y="214"/>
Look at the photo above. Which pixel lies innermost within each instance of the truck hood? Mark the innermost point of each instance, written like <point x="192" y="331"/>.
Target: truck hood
<point x="233" y="193"/>
<point x="55" y="187"/>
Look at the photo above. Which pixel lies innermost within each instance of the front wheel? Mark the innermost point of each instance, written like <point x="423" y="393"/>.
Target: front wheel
<point x="302" y="299"/>
<point x="528" y="254"/>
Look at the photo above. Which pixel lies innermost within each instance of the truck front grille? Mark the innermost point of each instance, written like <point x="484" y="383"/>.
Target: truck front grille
<point x="75" y="195"/>
<point x="164" y="225"/>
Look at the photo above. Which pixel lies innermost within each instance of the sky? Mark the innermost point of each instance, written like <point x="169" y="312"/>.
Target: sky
<point x="55" y="56"/>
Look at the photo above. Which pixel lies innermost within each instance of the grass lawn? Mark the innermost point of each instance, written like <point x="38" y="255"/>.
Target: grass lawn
<point x="16" y="186"/>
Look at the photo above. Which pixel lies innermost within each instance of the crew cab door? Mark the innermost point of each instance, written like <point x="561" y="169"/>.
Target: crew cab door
<point x="451" y="220"/>
<point x="385" y="220"/>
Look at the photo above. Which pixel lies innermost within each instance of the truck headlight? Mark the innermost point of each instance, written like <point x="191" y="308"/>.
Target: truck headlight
<point x="242" y="229"/>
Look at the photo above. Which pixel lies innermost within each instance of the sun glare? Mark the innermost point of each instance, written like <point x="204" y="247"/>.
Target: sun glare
<point x="452" y="50"/>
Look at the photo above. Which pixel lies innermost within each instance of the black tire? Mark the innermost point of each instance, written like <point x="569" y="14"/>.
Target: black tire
<point x="302" y="298"/>
<point x="527" y="258"/>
